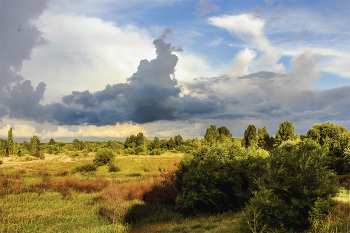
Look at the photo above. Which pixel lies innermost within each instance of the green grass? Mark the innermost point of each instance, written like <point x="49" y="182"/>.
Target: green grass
<point x="30" y="212"/>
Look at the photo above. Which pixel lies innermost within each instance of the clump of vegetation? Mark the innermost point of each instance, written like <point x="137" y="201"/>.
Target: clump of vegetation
<point x="103" y="157"/>
<point x="86" y="168"/>
<point x="295" y="183"/>
<point x="113" y="168"/>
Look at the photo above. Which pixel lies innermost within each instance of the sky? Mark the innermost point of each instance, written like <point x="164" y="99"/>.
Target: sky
<point x="103" y="70"/>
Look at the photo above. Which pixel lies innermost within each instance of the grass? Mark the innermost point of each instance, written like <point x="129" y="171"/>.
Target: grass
<point x="51" y="195"/>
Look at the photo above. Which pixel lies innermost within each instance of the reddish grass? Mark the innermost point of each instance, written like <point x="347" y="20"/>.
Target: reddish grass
<point x="11" y="183"/>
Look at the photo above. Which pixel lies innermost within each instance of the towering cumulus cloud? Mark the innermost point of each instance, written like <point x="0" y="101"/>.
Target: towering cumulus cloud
<point x="17" y="39"/>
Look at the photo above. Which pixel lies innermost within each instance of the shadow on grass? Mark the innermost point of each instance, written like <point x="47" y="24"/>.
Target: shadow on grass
<point x="142" y="214"/>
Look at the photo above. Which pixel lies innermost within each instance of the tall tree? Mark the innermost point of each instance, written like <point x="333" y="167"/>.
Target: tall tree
<point x="263" y="136"/>
<point x="140" y="139"/>
<point x="178" y="140"/>
<point x="285" y="132"/>
<point x="171" y="143"/>
<point x="211" y="135"/>
<point x="224" y="131"/>
<point x="10" y="142"/>
<point x="35" y="146"/>
<point x="250" y="138"/>
<point x="156" y="143"/>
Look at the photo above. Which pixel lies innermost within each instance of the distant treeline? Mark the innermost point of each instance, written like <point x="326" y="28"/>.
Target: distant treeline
<point x="334" y="137"/>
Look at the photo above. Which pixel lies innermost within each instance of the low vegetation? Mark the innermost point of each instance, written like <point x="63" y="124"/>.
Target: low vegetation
<point x="260" y="183"/>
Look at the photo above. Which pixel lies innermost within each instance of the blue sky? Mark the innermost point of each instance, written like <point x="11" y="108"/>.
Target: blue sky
<point x="73" y="69"/>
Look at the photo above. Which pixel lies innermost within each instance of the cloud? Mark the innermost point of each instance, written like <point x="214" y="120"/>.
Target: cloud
<point x="241" y="62"/>
<point x="204" y="7"/>
<point x="109" y="131"/>
<point x="17" y="39"/>
<point x="151" y="94"/>
<point x="244" y="26"/>
<point x="88" y="53"/>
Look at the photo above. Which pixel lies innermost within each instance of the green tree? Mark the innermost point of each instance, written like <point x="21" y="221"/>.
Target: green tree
<point x="171" y="143"/>
<point x="337" y="140"/>
<point x="10" y="142"/>
<point x="140" y="139"/>
<point x="295" y="179"/>
<point x="211" y="135"/>
<point x="263" y="137"/>
<point x="156" y="143"/>
<point x="35" y="147"/>
<point x="250" y="139"/>
<point x="285" y="132"/>
<point x="51" y="142"/>
<point x="78" y="145"/>
<point x="178" y="140"/>
<point x="224" y="131"/>
<point x="103" y="157"/>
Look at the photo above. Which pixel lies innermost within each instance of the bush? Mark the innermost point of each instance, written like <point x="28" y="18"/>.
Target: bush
<point x="295" y="179"/>
<point x="86" y="168"/>
<point x="113" y="168"/>
<point x="216" y="179"/>
<point x="103" y="157"/>
<point x="139" y="150"/>
<point x="156" y="152"/>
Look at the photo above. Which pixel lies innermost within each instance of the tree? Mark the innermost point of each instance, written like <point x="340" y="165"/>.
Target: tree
<point x="249" y="138"/>
<point x="294" y="180"/>
<point x="78" y="145"/>
<point x="337" y="140"/>
<point x="211" y="135"/>
<point x="263" y="137"/>
<point x="224" y="131"/>
<point x="35" y="147"/>
<point x="51" y="142"/>
<point x="10" y="142"/>
<point x="103" y="157"/>
<point x="285" y="132"/>
<point x="178" y="140"/>
<point x="156" y="143"/>
<point x="140" y="139"/>
<point x="171" y="143"/>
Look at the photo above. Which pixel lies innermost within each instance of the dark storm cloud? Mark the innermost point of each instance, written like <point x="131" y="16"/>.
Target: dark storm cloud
<point x="151" y="94"/>
<point x="17" y="39"/>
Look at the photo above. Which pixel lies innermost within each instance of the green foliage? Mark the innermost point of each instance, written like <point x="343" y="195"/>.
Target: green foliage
<point x="217" y="179"/>
<point x="86" y="168"/>
<point x="224" y="131"/>
<point x="171" y="144"/>
<point x="178" y="140"/>
<point x="103" y="157"/>
<point x="211" y="135"/>
<point x="10" y="142"/>
<point x="78" y="145"/>
<point x="51" y="142"/>
<point x="285" y="132"/>
<point x="35" y="147"/>
<point x="156" y="143"/>
<point x="113" y="168"/>
<point x="249" y="139"/>
<point x="294" y="180"/>
<point x="337" y="140"/>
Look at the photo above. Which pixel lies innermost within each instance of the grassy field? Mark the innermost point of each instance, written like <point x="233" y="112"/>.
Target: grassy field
<point x="49" y="196"/>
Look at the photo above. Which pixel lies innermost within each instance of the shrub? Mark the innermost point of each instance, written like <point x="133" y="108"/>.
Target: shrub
<point x="103" y="157"/>
<point x="86" y="168"/>
<point x="294" y="180"/>
<point x="113" y="168"/>
<point x="216" y="179"/>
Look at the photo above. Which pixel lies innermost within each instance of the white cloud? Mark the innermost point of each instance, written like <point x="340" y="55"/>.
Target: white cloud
<point x="85" y="54"/>
<point x="109" y="131"/>
<point x="241" y="62"/>
<point x="244" y="26"/>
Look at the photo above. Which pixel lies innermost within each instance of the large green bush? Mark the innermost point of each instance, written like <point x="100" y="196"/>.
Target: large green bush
<point x="217" y="179"/>
<point x="295" y="179"/>
<point x="103" y="157"/>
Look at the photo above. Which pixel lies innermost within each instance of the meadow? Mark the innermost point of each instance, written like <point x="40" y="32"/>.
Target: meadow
<point x="217" y="184"/>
